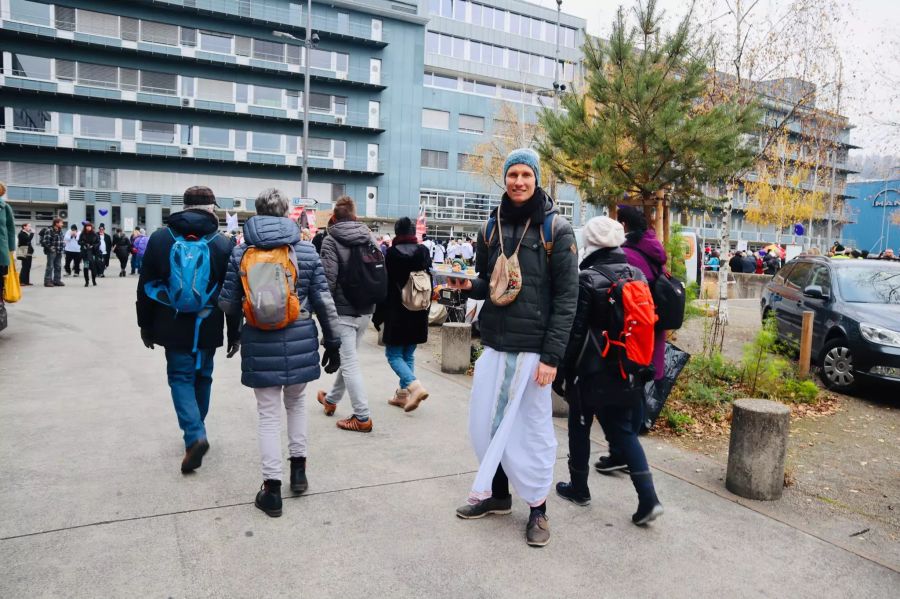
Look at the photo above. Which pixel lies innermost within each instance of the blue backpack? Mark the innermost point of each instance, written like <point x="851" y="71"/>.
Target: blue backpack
<point x="188" y="289"/>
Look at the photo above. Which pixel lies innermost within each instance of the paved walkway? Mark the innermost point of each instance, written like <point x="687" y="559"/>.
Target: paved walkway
<point x="93" y="503"/>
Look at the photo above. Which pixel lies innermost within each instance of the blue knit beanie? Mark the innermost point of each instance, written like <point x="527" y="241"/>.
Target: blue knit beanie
<point x="525" y="156"/>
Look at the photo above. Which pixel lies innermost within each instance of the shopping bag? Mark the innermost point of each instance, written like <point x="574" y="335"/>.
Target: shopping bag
<point x="12" y="292"/>
<point x="656" y="392"/>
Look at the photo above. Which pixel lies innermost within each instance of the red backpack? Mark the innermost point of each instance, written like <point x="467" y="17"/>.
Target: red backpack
<point x="632" y="323"/>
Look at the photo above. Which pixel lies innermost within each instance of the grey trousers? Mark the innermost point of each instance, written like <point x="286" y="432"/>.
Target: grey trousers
<point x="349" y="377"/>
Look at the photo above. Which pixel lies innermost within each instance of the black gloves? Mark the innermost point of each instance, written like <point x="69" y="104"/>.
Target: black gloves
<point x="331" y="359"/>
<point x="147" y="338"/>
<point x="233" y="348"/>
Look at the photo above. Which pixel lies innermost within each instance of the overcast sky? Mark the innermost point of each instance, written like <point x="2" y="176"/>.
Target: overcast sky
<point x="868" y="44"/>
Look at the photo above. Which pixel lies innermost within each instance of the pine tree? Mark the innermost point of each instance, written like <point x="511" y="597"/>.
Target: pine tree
<point x="639" y="130"/>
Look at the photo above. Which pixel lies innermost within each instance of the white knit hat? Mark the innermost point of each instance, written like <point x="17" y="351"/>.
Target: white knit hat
<point x="602" y="232"/>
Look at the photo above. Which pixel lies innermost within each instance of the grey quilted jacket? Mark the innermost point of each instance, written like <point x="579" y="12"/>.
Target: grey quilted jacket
<point x="336" y="246"/>
<point x="287" y="356"/>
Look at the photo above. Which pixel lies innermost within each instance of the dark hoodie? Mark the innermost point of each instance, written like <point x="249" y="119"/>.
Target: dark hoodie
<point x="540" y="318"/>
<point x="176" y="332"/>
<point x="402" y="327"/>
<point x="288" y="356"/>
<point x="336" y="246"/>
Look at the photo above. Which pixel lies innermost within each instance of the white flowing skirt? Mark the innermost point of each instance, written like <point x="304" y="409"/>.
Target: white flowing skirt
<point x="511" y="422"/>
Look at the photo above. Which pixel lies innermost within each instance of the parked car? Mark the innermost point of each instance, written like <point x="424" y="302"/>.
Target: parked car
<point x="856" y="306"/>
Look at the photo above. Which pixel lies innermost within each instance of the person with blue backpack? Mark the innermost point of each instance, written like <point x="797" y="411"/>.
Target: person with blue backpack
<point x="275" y="281"/>
<point x="182" y="273"/>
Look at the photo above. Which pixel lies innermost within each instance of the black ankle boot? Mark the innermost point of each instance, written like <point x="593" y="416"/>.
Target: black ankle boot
<point x="269" y="498"/>
<point x="576" y="491"/>
<point x="299" y="484"/>
<point x="649" y="507"/>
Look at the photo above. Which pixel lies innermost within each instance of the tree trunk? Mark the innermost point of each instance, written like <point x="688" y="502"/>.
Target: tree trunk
<point x="667" y="224"/>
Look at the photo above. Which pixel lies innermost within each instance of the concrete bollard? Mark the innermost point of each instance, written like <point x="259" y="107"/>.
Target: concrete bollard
<point x="456" y="347"/>
<point x="756" y="452"/>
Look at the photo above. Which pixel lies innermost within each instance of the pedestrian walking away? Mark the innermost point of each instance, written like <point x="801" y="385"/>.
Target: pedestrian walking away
<point x="25" y="253"/>
<point x="8" y="239"/>
<point x="351" y="260"/>
<point x="526" y="258"/>
<point x="404" y="314"/>
<point x="138" y="248"/>
<point x="73" y="252"/>
<point x="122" y="249"/>
<point x="593" y="378"/>
<point x="91" y="259"/>
<point x="273" y="280"/>
<point x="53" y="245"/>
<point x="178" y="310"/>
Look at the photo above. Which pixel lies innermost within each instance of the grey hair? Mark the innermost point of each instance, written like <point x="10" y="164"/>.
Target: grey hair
<point x="272" y="202"/>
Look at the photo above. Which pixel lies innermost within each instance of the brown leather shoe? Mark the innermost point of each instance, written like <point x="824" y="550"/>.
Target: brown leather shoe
<point x="354" y="424"/>
<point x="401" y="396"/>
<point x="329" y="407"/>
<point x="417" y="394"/>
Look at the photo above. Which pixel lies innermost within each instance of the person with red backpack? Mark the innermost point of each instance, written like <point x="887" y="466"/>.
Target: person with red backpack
<point x="608" y="360"/>
<point x="274" y="281"/>
<point x="182" y="273"/>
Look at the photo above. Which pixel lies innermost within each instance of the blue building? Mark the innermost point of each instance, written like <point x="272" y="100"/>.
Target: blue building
<point x="876" y="205"/>
<point x="111" y="109"/>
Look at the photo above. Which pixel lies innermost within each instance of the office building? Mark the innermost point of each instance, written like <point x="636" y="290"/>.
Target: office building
<point x="876" y="205"/>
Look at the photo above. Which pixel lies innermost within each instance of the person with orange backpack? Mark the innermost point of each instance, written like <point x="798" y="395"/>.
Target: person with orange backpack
<point x="608" y="359"/>
<point x="274" y="279"/>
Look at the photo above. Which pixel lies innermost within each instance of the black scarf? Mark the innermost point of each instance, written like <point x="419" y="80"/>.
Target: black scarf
<point x="519" y="213"/>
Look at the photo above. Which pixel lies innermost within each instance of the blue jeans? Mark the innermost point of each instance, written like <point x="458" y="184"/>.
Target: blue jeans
<point x="190" y="390"/>
<point x="402" y="359"/>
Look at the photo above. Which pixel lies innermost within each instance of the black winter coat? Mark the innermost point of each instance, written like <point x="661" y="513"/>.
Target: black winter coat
<point x="402" y="327"/>
<point x="590" y="378"/>
<point x="165" y="328"/>
<point x="540" y="318"/>
<point x="90" y="245"/>
<point x="736" y="264"/>
<point x="121" y="246"/>
<point x="25" y="239"/>
<point x="288" y="356"/>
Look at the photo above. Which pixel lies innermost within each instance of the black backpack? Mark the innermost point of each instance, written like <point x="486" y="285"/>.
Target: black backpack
<point x="364" y="277"/>
<point x="668" y="295"/>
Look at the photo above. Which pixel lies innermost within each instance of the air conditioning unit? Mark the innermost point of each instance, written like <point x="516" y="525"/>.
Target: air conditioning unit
<point x="185" y="101"/>
<point x="339" y="120"/>
<point x="112" y="148"/>
<point x="184" y="151"/>
<point x="63" y="214"/>
<point x="239" y="204"/>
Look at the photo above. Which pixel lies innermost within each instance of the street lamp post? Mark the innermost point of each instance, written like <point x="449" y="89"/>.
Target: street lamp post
<point x="309" y="42"/>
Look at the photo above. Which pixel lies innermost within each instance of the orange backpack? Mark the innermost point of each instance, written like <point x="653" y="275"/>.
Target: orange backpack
<point x="269" y="279"/>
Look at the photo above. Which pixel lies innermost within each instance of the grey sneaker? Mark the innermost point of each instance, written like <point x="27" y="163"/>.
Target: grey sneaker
<point x="537" y="533"/>
<point x="483" y="508"/>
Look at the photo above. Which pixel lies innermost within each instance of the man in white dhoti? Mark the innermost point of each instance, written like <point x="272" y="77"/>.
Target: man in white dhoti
<point x="527" y="262"/>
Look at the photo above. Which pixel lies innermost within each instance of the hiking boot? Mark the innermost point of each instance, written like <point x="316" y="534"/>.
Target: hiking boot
<point x="491" y="505"/>
<point x="568" y="491"/>
<point x="269" y="498"/>
<point x="607" y="465"/>
<point x="329" y="407"/>
<point x="647" y="513"/>
<point x="46" y="284"/>
<point x="537" y="533"/>
<point x="355" y="424"/>
<point x="401" y="396"/>
<point x="193" y="457"/>
<point x="299" y="484"/>
<point x="58" y="284"/>
<point x="417" y="394"/>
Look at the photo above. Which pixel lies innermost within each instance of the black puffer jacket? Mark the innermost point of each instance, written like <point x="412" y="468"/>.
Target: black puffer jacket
<point x="402" y="327"/>
<point x="540" y="318"/>
<point x="288" y="356"/>
<point x="336" y="246"/>
<point x="599" y="379"/>
<point x="167" y="329"/>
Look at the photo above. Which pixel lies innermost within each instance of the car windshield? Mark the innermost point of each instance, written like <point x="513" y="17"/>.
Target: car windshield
<point x="870" y="285"/>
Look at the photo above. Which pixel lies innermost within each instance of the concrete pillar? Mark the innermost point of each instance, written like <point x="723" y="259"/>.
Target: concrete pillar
<point x="759" y="436"/>
<point x="103" y="219"/>
<point x="154" y="217"/>
<point x="129" y="211"/>
<point x="77" y="210"/>
<point x="456" y="347"/>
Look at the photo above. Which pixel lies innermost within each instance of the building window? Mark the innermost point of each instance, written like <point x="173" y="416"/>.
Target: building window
<point x="33" y="67"/>
<point x="266" y="142"/>
<point x="485" y="89"/>
<point x="469" y="163"/>
<point x="188" y="37"/>
<point x="293" y="53"/>
<point x="435" y="119"/>
<point x="319" y="102"/>
<point x="432" y="42"/>
<point x="241" y="92"/>
<point x="340" y="105"/>
<point x="159" y="83"/>
<point x="267" y="96"/>
<point x="157" y="132"/>
<point x="215" y="90"/>
<point x="98" y="75"/>
<point x="29" y="12"/>
<point x="268" y="50"/>
<point x="435" y="159"/>
<point x="471" y="124"/>
<point x="27" y="173"/>
<point x="159" y="33"/>
<point x="30" y="119"/>
<point x="97" y="23"/>
<point x="98" y="126"/>
<point x="338" y="190"/>
<point x="215" y="42"/>
<point x="97" y="178"/>
<point x="65" y="123"/>
<point x="128" y="128"/>
<point x="65" y="70"/>
<point x="128" y="79"/>
<point x="66" y="175"/>
<point x="240" y="140"/>
<point x="319" y="147"/>
<point x="213" y="137"/>
<point x="339" y="148"/>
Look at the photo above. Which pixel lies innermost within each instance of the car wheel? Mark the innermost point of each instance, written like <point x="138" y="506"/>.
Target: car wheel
<point x="838" y="372"/>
